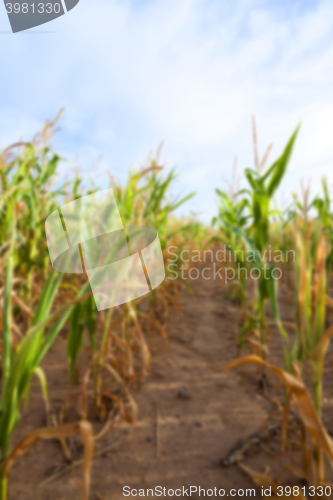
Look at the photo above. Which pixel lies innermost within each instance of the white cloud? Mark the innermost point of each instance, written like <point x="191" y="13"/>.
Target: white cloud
<point x="189" y="72"/>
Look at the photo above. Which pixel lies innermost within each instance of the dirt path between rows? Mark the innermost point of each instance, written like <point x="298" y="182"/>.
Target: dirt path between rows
<point x="191" y="413"/>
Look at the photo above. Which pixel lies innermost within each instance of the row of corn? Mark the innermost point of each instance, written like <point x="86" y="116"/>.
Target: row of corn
<point x="38" y="303"/>
<point x="250" y="224"/>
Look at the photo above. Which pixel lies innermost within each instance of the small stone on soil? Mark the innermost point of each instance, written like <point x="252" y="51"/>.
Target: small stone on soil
<point x="184" y="393"/>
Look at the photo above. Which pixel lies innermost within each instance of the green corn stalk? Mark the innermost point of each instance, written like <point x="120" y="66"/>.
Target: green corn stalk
<point x="231" y="222"/>
<point x="20" y="364"/>
<point x="75" y="339"/>
<point x="263" y="187"/>
<point x="311" y="341"/>
<point x="144" y="202"/>
<point x="25" y="183"/>
<point x="311" y="278"/>
<point x="83" y="318"/>
<point x="325" y="218"/>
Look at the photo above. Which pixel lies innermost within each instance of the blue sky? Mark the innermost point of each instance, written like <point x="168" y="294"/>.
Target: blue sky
<point x="191" y="73"/>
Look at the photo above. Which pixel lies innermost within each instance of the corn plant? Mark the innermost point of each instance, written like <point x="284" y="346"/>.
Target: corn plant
<point x="148" y="204"/>
<point x="21" y="363"/>
<point x="25" y="181"/>
<point x="308" y="347"/>
<point x="115" y="336"/>
<point x="322" y="205"/>
<point x="231" y="222"/>
<point x="263" y="187"/>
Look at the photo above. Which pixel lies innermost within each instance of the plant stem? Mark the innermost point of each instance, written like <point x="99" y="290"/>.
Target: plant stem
<point x="100" y="359"/>
<point x="6" y="334"/>
<point x="317" y="390"/>
<point x="320" y="467"/>
<point x="3" y="486"/>
<point x="262" y="319"/>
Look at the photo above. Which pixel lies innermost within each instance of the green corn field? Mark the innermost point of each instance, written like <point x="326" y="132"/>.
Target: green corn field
<point x="108" y="354"/>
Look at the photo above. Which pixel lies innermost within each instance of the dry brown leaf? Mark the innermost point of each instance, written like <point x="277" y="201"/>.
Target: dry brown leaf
<point x="301" y="400"/>
<point x="263" y="480"/>
<point x="320" y="350"/>
<point x="60" y="432"/>
<point x="329" y="301"/>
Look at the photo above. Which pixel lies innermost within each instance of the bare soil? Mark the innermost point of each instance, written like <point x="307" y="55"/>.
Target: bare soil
<point x="191" y="412"/>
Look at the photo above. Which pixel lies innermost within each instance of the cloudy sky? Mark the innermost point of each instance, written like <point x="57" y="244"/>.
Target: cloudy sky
<point x="189" y="72"/>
